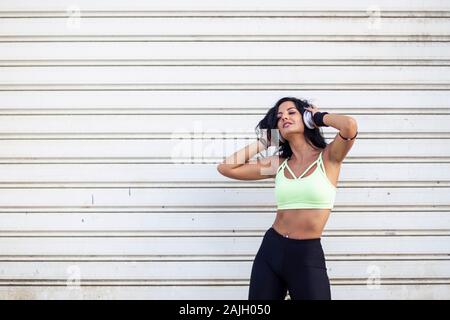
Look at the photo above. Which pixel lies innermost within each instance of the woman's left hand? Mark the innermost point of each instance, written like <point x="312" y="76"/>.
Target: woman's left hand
<point x="313" y="110"/>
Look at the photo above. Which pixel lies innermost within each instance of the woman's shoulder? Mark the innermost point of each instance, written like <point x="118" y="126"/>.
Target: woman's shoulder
<point x="282" y="159"/>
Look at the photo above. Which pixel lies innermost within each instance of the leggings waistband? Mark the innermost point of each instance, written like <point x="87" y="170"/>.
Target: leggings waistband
<point x="275" y="233"/>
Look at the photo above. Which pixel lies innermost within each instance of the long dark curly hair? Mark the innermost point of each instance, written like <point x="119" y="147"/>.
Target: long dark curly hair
<point x="313" y="136"/>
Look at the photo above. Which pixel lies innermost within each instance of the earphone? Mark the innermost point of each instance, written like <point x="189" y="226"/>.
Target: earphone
<point x="308" y="119"/>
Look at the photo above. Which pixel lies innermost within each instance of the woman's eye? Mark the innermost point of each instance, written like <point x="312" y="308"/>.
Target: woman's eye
<point x="279" y="117"/>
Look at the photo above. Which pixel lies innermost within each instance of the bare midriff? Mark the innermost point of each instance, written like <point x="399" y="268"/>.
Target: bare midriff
<point x="301" y="223"/>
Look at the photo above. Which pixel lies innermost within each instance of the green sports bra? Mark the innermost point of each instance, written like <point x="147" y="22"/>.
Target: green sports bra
<point x="313" y="191"/>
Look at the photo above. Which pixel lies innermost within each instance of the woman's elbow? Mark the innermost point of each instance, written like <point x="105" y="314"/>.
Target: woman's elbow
<point x="352" y="123"/>
<point x="222" y="168"/>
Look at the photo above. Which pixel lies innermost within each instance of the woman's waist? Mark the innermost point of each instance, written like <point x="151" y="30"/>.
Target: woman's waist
<point x="301" y="224"/>
<point x="298" y="234"/>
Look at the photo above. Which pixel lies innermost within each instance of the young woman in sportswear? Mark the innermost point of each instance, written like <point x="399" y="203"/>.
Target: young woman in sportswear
<point x="306" y="171"/>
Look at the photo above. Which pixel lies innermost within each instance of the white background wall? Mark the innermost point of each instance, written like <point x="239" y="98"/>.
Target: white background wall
<point x="99" y="181"/>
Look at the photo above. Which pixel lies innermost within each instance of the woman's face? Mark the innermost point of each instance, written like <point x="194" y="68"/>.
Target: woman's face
<point x="290" y="120"/>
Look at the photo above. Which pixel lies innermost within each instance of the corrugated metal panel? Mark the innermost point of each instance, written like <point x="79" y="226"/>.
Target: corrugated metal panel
<point x="110" y="108"/>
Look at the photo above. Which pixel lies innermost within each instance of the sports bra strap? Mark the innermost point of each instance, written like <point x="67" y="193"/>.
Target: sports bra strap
<point x="307" y="169"/>
<point x="292" y="173"/>
<point x="319" y="160"/>
<point x="282" y="165"/>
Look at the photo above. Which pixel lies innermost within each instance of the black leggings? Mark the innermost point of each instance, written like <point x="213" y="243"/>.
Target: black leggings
<point x="283" y="264"/>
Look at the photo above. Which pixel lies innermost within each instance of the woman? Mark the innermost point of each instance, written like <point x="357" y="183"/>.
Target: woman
<point x="290" y="257"/>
